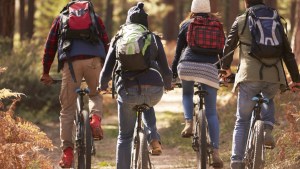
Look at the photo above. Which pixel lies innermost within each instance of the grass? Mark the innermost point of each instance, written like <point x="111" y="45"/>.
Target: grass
<point x="170" y="132"/>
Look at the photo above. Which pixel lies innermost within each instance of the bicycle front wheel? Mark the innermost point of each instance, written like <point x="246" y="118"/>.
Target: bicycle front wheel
<point x="201" y="128"/>
<point x="255" y="152"/>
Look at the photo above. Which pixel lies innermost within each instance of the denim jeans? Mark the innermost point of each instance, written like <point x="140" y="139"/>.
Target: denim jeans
<point x="246" y="91"/>
<point x="127" y="99"/>
<point x="210" y="102"/>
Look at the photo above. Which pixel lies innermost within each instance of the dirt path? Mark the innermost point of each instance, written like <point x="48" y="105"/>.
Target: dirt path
<point x="171" y="158"/>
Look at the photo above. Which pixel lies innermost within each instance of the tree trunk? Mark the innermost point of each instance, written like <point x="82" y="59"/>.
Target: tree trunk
<point x="30" y="19"/>
<point x="170" y="23"/>
<point x="180" y="10"/>
<point x="109" y="17"/>
<point x="231" y="12"/>
<point x="293" y="16"/>
<point x="296" y="35"/>
<point x="214" y="6"/>
<point x="7" y="19"/>
<point x="22" y="19"/>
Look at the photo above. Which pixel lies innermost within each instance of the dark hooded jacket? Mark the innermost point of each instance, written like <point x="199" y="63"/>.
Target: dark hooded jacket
<point x="158" y="75"/>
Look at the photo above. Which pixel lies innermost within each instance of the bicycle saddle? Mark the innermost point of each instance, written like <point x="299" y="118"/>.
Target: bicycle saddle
<point x="142" y="107"/>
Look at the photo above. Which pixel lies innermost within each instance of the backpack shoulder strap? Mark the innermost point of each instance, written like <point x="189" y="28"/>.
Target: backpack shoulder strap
<point x="94" y="18"/>
<point x="245" y="23"/>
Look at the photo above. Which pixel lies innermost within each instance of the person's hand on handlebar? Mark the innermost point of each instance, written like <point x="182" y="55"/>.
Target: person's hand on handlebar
<point x="294" y="86"/>
<point x="46" y="79"/>
<point x="223" y="73"/>
<point x="104" y="91"/>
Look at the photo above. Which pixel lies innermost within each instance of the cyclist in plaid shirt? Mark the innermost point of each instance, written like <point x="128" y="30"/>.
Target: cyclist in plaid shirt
<point x="84" y="59"/>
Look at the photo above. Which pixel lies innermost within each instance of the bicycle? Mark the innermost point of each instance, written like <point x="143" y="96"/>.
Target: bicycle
<point x="201" y="142"/>
<point x="84" y="142"/>
<point x="255" y="149"/>
<point x="140" y="158"/>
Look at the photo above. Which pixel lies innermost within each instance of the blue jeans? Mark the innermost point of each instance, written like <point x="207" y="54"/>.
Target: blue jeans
<point x="210" y="102"/>
<point x="150" y="95"/>
<point x="246" y="91"/>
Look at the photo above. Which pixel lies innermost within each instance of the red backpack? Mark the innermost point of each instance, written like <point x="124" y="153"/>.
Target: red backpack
<point x="79" y="21"/>
<point x="205" y="36"/>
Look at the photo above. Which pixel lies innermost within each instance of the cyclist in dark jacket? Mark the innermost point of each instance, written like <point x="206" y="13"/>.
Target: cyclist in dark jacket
<point x="147" y="88"/>
<point x="194" y="67"/>
<point x="250" y="83"/>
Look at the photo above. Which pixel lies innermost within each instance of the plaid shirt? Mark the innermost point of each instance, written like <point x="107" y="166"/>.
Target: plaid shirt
<point x="52" y="44"/>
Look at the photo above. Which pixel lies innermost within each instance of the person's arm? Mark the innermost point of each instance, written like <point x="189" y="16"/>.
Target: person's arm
<point x="181" y="45"/>
<point x="103" y="35"/>
<point x="106" y="73"/>
<point x="290" y="61"/>
<point x="50" y="50"/>
<point x="163" y="64"/>
<point x="230" y="45"/>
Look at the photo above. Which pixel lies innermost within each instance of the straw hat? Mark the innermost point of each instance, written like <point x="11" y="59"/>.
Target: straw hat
<point x="200" y="6"/>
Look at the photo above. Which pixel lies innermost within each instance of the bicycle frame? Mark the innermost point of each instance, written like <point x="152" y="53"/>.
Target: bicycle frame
<point x="195" y="143"/>
<point x="84" y="143"/>
<point x="79" y="121"/>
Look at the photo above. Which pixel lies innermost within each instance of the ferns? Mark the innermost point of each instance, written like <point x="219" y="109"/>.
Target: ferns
<point x="21" y="141"/>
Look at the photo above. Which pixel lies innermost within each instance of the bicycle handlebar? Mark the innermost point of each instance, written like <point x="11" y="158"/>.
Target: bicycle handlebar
<point x="55" y="81"/>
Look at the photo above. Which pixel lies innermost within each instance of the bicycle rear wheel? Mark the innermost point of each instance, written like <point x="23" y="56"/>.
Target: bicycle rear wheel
<point x="83" y="151"/>
<point x="135" y="150"/>
<point x="144" y="159"/>
<point x="202" y="140"/>
<point x="87" y="139"/>
<point x="255" y="152"/>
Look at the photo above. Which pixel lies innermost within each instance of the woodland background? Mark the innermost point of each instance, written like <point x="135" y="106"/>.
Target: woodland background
<point x="23" y="31"/>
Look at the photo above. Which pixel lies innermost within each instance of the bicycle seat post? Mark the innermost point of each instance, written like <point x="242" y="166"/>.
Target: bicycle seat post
<point x="81" y="92"/>
<point x="201" y="93"/>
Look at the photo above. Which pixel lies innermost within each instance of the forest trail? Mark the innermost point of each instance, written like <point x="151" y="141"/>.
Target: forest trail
<point x="171" y="158"/>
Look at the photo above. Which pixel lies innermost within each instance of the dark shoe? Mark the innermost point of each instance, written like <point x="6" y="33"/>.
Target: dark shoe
<point x="95" y="124"/>
<point x="188" y="129"/>
<point x="155" y="148"/>
<point x="268" y="138"/>
<point x="237" y="165"/>
<point x="67" y="158"/>
<point x="217" y="162"/>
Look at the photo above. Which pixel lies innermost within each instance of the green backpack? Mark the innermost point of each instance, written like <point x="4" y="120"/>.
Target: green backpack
<point x="131" y="47"/>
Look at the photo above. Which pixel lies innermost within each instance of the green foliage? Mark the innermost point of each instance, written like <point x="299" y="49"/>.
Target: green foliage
<point x="45" y="14"/>
<point x="24" y="68"/>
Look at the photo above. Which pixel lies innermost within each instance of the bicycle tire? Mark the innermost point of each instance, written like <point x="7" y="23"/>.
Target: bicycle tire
<point x="87" y="139"/>
<point x="256" y="150"/>
<point x="78" y="135"/>
<point x="135" y="150"/>
<point x="202" y="140"/>
<point x="143" y="158"/>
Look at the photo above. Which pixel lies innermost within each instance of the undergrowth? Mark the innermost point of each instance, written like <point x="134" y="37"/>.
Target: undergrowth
<point x="21" y="141"/>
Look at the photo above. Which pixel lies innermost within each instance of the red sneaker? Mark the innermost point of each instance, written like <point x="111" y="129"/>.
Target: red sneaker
<point x="67" y="158"/>
<point x="97" y="131"/>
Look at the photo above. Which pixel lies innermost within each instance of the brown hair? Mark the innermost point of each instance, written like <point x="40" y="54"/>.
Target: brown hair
<point x="250" y="3"/>
<point x="193" y="15"/>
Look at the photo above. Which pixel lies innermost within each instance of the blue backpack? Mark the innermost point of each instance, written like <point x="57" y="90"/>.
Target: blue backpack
<point x="267" y="34"/>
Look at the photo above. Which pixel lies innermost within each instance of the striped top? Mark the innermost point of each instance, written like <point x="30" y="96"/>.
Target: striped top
<point x="199" y="72"/>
